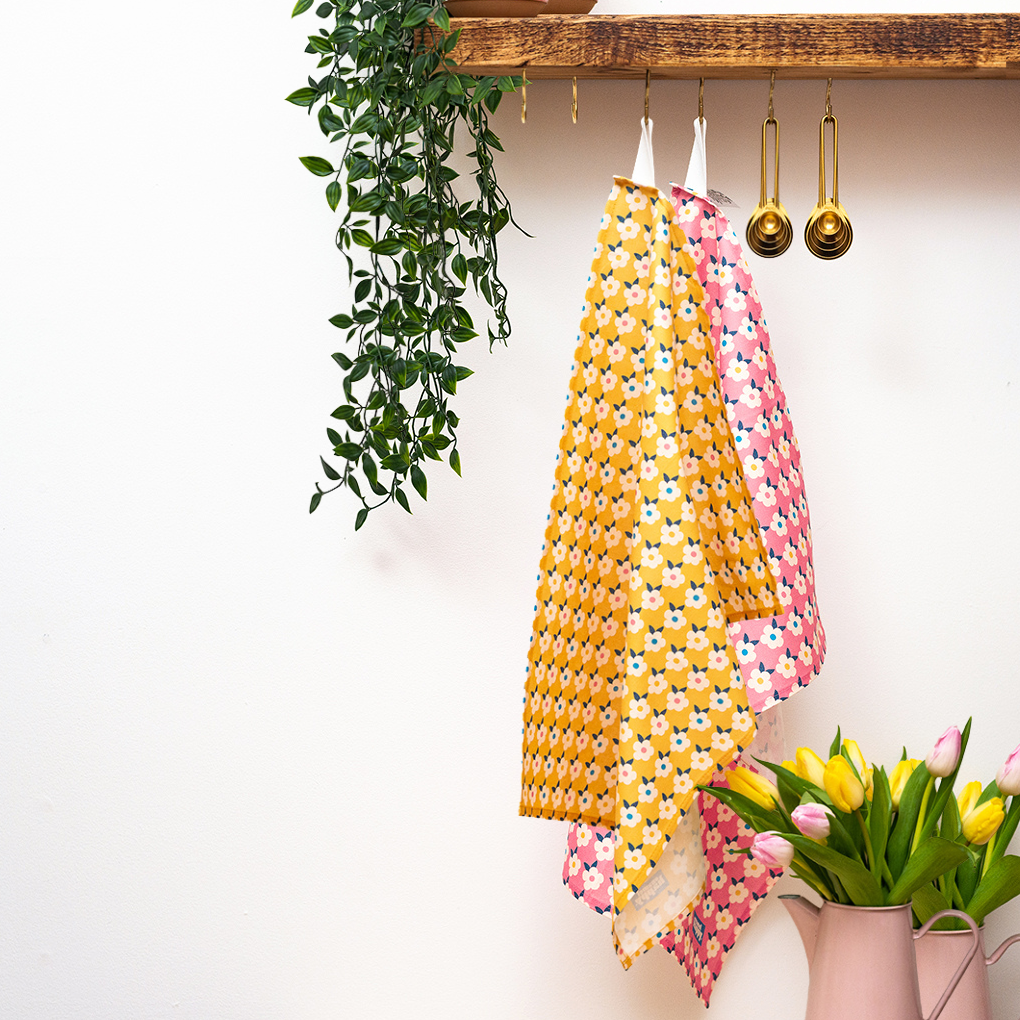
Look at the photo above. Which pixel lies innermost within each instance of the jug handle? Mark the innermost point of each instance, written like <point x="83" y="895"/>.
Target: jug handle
<point x="951" y="987"/>
<point x="997" y="955"/>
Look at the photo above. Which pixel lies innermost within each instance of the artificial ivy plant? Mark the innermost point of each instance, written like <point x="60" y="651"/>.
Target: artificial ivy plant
<point x="393" y="99"/>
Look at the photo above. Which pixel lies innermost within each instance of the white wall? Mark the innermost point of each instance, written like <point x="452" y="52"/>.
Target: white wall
<point x="255" y="766"/>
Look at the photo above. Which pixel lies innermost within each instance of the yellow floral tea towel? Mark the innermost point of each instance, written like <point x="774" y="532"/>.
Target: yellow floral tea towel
<point x="633" y="695"/>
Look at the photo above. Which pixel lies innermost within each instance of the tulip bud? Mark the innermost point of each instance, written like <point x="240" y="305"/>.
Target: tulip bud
<point x="1008" y="776"/>
<point x="790" y="766"/>
<point x="968" y="798"/>
<point x="772" y="850"/>
<point x="845" y="789"/>
<point x="898" y="779"/>
<point x="810" y="766"/>
<point x="863" y="772"/>
<point x="814" y="820"/>
<point x="945" y="755"/>
<point x="983" y="822"/>
<point x="753" y="786"/>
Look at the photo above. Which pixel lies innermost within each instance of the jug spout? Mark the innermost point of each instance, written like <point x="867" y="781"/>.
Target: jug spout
<point x="805" y="917"/>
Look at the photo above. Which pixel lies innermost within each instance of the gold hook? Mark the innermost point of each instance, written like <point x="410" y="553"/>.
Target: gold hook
<point x="524" y="101"/>
<point x="648" y="85"/>
<point x="772" y="88"/>
<point x="573" y="103"/>
<point x="828" y="99"/>
<point x="701" y="101"/>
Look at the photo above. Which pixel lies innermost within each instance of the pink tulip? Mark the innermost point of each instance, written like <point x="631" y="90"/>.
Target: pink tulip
<point x="945" y="754"/>
<point x="812" y="820"/>
<point x="1008" y="777"/>
<point x="772" y="850"/>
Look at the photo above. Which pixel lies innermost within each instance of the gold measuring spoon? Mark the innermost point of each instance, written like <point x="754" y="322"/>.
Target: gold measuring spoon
<point x="769" y="231"/>
<point x="828" y="233"/>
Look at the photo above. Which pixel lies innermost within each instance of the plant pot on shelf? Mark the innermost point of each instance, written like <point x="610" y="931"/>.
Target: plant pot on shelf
<point x="569" y="7"/>
<point x="938" y="955"/>
<point x="494" y="8"/>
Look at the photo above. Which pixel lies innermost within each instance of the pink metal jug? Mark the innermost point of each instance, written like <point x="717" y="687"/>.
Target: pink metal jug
<point x="938" y="954"/>
<point x="862" y="962"/>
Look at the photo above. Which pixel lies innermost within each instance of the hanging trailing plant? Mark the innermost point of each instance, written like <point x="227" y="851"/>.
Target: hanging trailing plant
<point x="393" y="99"/>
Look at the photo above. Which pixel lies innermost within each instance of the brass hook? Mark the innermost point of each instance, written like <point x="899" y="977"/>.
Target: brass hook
<point x="524" y="101"/>
<point x="648" y="85"/>
<point x="772" y="88"/>
<point x="701" y="101"/>
<point x="828" y="99"/>
<point x="573" y="103"/>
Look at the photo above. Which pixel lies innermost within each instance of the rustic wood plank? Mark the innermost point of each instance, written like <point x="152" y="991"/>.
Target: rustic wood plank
<point x="743" y="46"/>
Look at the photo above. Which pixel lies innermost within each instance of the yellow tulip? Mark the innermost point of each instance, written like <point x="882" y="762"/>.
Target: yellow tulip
<point x="753" y="786"/>
<point x="810" y="766"/>
<point x="898" y="780"/>
<point x="845" y="789"/>
<point x="983" y="822"/>
<point x="968" y="798"/>
<point x="790" y="766"/>
<point x="851" y="747"/>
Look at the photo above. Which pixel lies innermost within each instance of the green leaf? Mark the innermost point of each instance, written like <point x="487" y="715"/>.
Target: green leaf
<point x="334" y="437"/>
<point x="402" y="498"/>
<point x="926" y="902"/>
<point x="859" y="883"/>
<point x="323" y="10"/>
<point x="906" y="820"/>
<point x="455" y="460"/>
<point x="361" y="518"/>
<point x="934" y="857"/>
<point x="316" y="499"/>
<point x="836" y="745"/>
<point x="459" y="267"/>
<point x="303" y="97"/>
<point x="387" y="246"/>
<point x="341" y="359"/>
<point x="362" y="290"/>
<point x="999" y="885"/>
<point x="362" y="238"/>
<point x="344" y="412"/>
<point x="756" y="816"/>
<point x="331" y="473"/>
<point x="341" y="322"/>
<point x="417" y="15"/>
<point x="333" y="195"/>
<point x="878" y="819"/>
<point x="418" y="481"/>
<point x="318" y="166"/>
<point x="299" y="8"/>
<point x="442" y="18"/>
<point x="349" y="451"/>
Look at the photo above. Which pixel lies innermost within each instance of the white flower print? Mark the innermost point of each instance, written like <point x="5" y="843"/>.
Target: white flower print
<point x="772" y="636"/>
<point x="758" y="681"/>
<point x="675" y="620"/>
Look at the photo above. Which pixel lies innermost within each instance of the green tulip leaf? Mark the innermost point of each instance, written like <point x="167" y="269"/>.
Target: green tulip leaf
<point x="859" y="883"/>
<point x="906" y="819"/>
<point x="878" y="820"/>
<point x="927" y="901"/>
<point x="998" y="886"/>
<point x="934" y="857"/>
<point x="1007" y="829"/>
<point x="754" y="814"/>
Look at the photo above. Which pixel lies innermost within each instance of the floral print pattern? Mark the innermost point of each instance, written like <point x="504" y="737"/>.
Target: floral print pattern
<point x="777" y="656"/>
<point x="634" y="693"/>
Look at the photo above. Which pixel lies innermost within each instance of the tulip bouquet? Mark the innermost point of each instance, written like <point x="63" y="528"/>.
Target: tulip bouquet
<point x="982" y="820"/>
<point x="855" y="834"/>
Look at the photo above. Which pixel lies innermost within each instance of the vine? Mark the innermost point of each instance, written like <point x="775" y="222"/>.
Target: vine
<point x="393" y="99"/>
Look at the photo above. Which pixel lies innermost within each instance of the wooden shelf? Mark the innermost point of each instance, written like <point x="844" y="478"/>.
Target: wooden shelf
<point x="743" y="46"/>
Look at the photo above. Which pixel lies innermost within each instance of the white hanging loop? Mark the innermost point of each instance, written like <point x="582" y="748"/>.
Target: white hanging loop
<point x="644" y="166"/>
